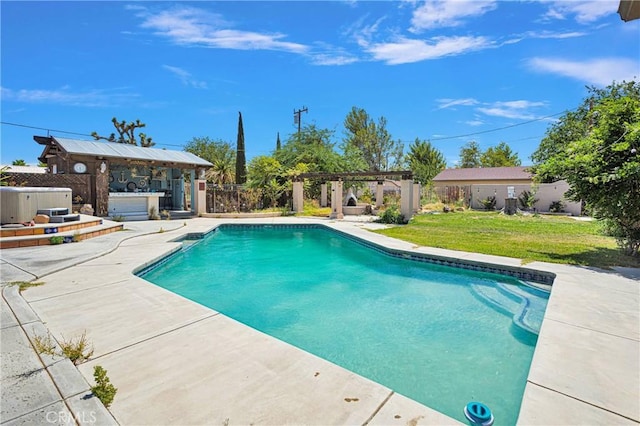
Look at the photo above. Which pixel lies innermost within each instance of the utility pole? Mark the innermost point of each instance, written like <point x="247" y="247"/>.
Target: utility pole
<point x="296" y="116"/>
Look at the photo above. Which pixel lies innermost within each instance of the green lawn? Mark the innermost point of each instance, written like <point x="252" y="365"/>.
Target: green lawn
<point x="554" y="239"/>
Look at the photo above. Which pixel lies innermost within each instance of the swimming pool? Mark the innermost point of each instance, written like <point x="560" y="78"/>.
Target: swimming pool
<point x="439" y="335"/>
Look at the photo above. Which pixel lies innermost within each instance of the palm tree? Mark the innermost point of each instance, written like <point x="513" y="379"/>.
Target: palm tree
<point x="222" y="171"/>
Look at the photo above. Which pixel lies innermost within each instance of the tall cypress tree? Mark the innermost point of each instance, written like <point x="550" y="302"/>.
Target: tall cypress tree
<point x="278" y="145"/>
<point x="241" y="166"/>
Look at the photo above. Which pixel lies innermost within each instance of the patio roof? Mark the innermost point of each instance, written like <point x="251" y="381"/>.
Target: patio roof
<point x="103" y="149"/>
<point x="629" y="10"/>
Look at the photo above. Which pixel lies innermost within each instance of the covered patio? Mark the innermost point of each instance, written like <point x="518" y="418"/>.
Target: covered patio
<point x="128" y="181"/>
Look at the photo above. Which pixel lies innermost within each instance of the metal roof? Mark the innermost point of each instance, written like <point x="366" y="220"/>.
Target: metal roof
<point x="123" y="150"/>
<point x="629" y="10"/>
<point x="484" y="173"/>
<point x="24" y="169"/>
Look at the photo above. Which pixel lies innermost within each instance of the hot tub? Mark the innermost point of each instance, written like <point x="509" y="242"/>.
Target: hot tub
<point x="21" y="203"/>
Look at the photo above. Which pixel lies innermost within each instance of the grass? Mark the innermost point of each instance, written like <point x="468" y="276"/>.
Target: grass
<point x="554" y="239"/>
<point x="312" y="208"/>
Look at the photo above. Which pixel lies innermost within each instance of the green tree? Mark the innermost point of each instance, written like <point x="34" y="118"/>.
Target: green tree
<point x="499" y="156"/>
<point x="470" y="155"/>
<point x="425" y="161"/>
<point x="371" y="141"/>
<point x="19" y="162"/>
<point x="278" y="143"/>
<point x="601" y="163"/>
<point x="126" y="133"/>
<point x="573" y="125"/>
<point x="265" y="174"/>
<point x="312" y="146"/>
<point x="241" y="162"/>
<point x="219" y="153"/>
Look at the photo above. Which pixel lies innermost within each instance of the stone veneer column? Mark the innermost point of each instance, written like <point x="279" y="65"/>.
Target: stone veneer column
<point x="416" y="198"/>
<point x="102" y="189"/>
<point x="323" y="195"/>
<point x="380" y="194"/>
<point x="406" y="198"/>
<point x="336" y="200"/>
<point x="298" y="196"/>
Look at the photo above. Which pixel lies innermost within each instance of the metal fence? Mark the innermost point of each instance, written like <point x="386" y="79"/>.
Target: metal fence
<point x="233" y="199"/>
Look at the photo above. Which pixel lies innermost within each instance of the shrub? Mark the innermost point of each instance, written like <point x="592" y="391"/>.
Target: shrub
<point x="58" y="239"/>
<point x="489" y="203"/>
<point x="103" y="390"/>
<point x="366" y="196"/>
<point x="392" y="215"/>
<point x="556" y="207"/>
<point x="527" y="199"/>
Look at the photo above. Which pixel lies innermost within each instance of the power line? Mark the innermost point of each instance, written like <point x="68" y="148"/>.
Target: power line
<point x="69" y="133"/>
<point x="499" y="128"/>
<point x="42" y="128"/>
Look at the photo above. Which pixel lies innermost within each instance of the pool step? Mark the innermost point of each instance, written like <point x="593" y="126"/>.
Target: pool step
<point x="534" y="304"/>
<point x="526" y="306"/>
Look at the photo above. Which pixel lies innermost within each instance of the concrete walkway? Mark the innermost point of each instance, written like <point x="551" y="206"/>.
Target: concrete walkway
<point x="177" y="362"/>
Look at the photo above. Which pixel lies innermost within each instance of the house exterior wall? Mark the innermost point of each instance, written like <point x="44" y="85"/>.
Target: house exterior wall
<point x="546" y="194"/>
<point x="444" y="183"/>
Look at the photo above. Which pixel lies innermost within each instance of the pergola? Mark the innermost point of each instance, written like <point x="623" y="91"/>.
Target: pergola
<point x="409" y="196"/>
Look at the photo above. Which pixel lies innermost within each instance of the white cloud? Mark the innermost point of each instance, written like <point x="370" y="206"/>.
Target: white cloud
<point x="65" y="96"/>
<point x="185" y="77"/>
<point x="450" y="103"/>
<point x="474" y="123"/>
<point x="584" y="11"/>
<point x="193" y="26"/>
<point x="600" y="72"/>
<point x="333" y="59"/>
<point x="554" y="35"/>
<point x="406" y="50"/>
<point x="520" y="110"/>
<point x="447" y="13"/>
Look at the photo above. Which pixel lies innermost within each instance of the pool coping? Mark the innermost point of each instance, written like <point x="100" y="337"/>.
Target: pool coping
<point x="549" y="396"/>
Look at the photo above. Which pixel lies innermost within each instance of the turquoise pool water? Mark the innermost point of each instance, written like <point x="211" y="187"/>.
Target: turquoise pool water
<point x="439" y="335"/>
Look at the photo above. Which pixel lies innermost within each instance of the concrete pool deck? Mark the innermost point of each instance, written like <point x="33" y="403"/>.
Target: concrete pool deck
<point x="177" y="362"/>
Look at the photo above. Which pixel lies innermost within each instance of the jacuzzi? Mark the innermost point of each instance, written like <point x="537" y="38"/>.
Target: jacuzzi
<point x="21" y="204"/>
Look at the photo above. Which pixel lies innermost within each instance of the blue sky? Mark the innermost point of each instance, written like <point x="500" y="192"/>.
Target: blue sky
<point x="448" y="72"/>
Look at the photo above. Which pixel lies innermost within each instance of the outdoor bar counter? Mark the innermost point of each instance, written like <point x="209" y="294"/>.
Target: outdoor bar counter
<point x="133" y="205"/>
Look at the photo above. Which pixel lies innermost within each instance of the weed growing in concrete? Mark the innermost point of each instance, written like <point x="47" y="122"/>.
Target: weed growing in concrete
<point x="153" y="214"/>
<point x="103" y="389"/>
<point x="161" y="230"/>
<point x="23" y="285"/>
<point x="44" y="344"/>
<point x="77" y="350"/>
